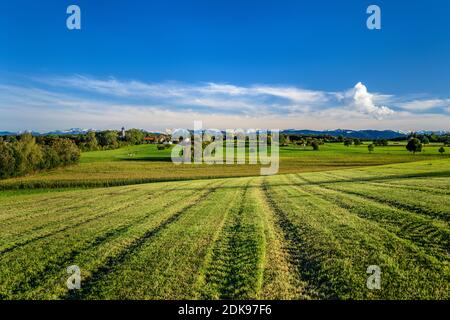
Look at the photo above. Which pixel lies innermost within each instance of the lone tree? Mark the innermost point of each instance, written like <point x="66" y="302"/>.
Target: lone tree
<point x="347" y="142"/>
<point x="441" y="150"/>
<point x="315" y="145"/>
<point x="414" y="145"/>
<point x="371" y="147"/>
<point x="425" y="140"/>
<point x="357" y="142"/>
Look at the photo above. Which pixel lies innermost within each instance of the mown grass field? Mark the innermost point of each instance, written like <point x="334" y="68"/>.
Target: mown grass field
<point x="307" y="235"/>
<point x="144" y="163"/>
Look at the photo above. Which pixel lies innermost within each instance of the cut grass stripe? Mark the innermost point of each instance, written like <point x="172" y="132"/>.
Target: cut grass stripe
<point x="431" y="235"/>
<point x="169" y="266"/>
<point x="280" y="277"/>
<point x="113" y="262"/>
<point x="63" y="253"/>
<point x="236" y="268"/>
<point x="336" y="247"/>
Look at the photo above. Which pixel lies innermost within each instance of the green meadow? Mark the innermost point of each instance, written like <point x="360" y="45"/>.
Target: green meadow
<point x="225" y="232"/>
<point x="144" y="164"/>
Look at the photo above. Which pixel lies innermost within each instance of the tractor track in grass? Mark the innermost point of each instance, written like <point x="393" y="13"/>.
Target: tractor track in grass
<point x="64" y="220"/>
<point x="23" y="217"/>
<point x="279" y="279"/>
<point x="43" y="276"/>
<point x="293" y="244"/>
<point x="209" y="257"/>
<point x="129" y="203"/>
<point x="381" y="182"/>
<point x="49" y="234"/>
<point x="423" y="211"/>
<point x="426" y="212"/>
<point x="224" y="274"/>
<point x="112" y="262"/>
<point x="422" y="233"/>
<point x="408" y="187"/>
<point x="69" y="226"/>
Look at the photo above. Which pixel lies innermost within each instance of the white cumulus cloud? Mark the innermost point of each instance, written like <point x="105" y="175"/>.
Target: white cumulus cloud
<point x="363" y="101"/>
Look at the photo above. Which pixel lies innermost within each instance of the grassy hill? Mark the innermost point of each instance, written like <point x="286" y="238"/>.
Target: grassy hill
<point x="144" y="163"/>
<point x="294" y="236"/>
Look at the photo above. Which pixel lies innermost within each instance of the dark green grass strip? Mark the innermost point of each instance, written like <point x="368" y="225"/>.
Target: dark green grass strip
<point x="71" y="224"/>
<point x="54" y="232"/>
<point x="306" y="268"/>
<point x="335" y="248"/>
<point x="236" y="258"/>
<point x="89" y="285"/>
<point x="51" y="269"/>
<point x="399" y="204"/>
<point x="381" y="182"/>
<point x="435" y="240"/>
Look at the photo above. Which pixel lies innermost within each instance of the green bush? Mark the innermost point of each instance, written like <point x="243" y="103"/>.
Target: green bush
<point x="23" y="155"/>
<point x="67" y="151"/>
<point x="7" y="161"/>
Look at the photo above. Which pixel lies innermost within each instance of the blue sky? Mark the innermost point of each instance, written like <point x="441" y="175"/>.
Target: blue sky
<point x="279" y="64"/>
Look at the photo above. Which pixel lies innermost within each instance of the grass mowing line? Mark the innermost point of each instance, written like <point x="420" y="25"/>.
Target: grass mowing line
<point x="411" y="207"/>
<point x="342" y="246"/>
<point x="168" y="267"/>
<point x="69" y="225"/>
<point x="382" y="183"/>
<point x="293" y="243"/>
<point x="279" y="277"/>
<point x="112" y="243"/>
<point x="25" y="214"/>
<point x="201" y="281"/>
<point x="127" y="193"/>
<point x="38" y="279"/>
<point x="412" y="188"/>
<point x="113" y="262"/>
<point x="441" y="224"/>
<point x="59" y="215"/>
<point x="364" y="178"/>
<point x="428" y="235"/>
<point x="236" y="271"/>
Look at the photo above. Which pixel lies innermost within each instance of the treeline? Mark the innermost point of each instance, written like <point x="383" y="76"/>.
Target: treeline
<point x="23" y="154"/>
<point x="428" y="138"/>
<point x="105" y="140"/>
<point x="304" y="137"/>
<point x="20" y="155"/>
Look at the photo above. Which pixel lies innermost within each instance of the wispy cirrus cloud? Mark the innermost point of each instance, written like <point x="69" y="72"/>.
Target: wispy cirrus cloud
<point x="241" y="99"/>
<point x="81" y="101"/>
<point x="426" y="104"/>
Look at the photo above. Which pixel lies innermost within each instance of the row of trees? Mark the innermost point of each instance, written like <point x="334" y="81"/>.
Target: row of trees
<point x="24" y="155"/>
<point x="348" y="142"/>
<point x="109" y="139"/>
<point x="431" y="138"/>
<point x="99" y="140"/>
<point x="416" y="145"/>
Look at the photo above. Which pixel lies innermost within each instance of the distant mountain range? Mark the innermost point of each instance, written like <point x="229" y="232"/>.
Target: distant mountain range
<point x="361" y="134"/>
<point x="57" y="132"/>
